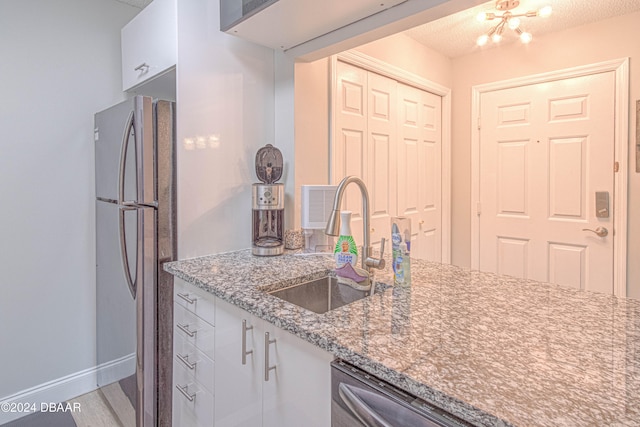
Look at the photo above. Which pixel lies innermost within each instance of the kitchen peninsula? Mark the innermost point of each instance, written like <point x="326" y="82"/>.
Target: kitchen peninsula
<point x="491" y="349"/>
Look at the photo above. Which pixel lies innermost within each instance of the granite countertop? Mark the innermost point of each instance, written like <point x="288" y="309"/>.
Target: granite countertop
<point x="493" y="350"/>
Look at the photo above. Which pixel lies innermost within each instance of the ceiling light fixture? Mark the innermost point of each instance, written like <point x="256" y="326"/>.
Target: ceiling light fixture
<point x="508" y="19"/>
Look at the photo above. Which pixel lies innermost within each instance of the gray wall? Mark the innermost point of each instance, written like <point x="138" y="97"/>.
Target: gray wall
<point x="59" y="63"/>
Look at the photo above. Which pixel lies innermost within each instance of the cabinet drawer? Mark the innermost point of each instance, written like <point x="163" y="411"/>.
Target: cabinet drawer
<point x="195" y="362"/>
<point x="192" y="403"/>
<point x="193" y="330"/>
<point x="194" y="300"/>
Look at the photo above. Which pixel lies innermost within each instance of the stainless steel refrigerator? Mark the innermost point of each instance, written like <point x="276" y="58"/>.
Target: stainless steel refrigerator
<point x="135" y="234"/>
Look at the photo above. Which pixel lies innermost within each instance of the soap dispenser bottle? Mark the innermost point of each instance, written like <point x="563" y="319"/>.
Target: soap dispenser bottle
<point x="403" y="267"/>
<point x="346" y="250"/>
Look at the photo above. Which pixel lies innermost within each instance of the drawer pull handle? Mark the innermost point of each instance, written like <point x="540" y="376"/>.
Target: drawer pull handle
<point x="245" y="328"/>
<point x="185" y="393"/>
<point x="267" y="368"/>
<point x="185" y="360"/>
<point x="187" y="299"/>
<point x="185" y="329"/>
<point x="144" y="67"/>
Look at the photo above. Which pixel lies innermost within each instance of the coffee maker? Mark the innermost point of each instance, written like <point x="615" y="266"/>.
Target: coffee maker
<point x="268" y="203"/>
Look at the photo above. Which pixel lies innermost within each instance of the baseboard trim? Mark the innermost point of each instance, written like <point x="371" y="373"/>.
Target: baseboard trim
<point x="67" y="387"/>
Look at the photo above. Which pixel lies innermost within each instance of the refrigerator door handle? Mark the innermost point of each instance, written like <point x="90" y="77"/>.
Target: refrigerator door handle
<point x="123" y="252"/>
<point x="123" y="158"/>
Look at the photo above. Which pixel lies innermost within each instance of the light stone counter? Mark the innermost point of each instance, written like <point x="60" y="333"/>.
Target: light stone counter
<point x="493" y="350"/>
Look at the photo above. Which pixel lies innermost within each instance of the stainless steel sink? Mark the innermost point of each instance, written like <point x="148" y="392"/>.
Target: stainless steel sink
<point x="320" y="295"/>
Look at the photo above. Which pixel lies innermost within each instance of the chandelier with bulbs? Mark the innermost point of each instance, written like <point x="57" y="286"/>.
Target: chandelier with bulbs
<point x="508" y="19"/>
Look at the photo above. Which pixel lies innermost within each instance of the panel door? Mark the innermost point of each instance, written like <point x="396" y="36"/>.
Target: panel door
<point x="545" y="150"/>
<point x="419" y="170"/>
<point x="390" y="135"/>
<point x="381" y="150"/>
<point x="350" y="138"/>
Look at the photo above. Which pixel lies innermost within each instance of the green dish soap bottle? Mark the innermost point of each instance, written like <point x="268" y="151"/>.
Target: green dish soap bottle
<point x="346" y="250"/>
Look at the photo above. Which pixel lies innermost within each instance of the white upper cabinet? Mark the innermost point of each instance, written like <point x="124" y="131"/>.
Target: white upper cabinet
<point x="283" y="24"/>
<point x="149" y="43"/>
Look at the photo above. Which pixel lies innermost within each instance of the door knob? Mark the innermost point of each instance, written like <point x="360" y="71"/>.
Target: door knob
<point x="600" y="231"/>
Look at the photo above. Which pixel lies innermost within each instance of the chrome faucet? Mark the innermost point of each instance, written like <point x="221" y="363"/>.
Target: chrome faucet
<point x="333" y="225"/>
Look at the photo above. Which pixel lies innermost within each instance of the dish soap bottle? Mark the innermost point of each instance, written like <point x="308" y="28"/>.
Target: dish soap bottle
<point x="346" y="250"/>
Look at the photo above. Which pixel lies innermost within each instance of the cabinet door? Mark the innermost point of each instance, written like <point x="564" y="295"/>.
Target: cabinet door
<point x="149" y="43"/>
<point x="298" y="391"/>
<point x="191" y="401"/>
<point x="238" y="386"/>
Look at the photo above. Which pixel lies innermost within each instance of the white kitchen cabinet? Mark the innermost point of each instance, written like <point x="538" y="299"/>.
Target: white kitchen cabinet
<point x="193" y="366"/>
<point x="299" y="389"/>
<point x="149" y="43"/>
<point x="238" y="387"/>
<point x="297" y="392"/>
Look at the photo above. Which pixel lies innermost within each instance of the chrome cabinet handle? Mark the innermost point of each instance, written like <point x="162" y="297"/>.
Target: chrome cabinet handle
<point x="185" y="359"/>
<point x="187" y="299"/>
<point x="144" y="67"/>
<point x="244" y="341"/>
<point x="185" y="393"/>
<point x="267" y="368"/>
<point x="600" y="231"/>
<point x="185" y="329"/>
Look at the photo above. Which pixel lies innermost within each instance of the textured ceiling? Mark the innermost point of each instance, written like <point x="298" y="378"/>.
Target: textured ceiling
<point x="455" y="35"/>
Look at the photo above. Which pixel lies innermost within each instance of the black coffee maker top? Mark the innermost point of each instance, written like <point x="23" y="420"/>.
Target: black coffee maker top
<point x="269" y="164"/>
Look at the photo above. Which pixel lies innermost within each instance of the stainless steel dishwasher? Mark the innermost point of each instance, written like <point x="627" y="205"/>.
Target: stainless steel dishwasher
<point x="360" y="399"/>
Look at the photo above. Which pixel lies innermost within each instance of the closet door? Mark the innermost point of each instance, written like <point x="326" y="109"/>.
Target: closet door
<point x="389" y="134"/>
<point x="419" y="186"/>
<point x="381" y="148"/>
<point x="350" y="149"/>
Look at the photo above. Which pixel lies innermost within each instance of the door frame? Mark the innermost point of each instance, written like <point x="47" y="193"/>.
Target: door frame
<point x="620" y="146"/>
<point x="377" y="66"/>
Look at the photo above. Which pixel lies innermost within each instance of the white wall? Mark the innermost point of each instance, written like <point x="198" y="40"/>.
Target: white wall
<point x="59" y="63"/>
<point x="225" y="93"/>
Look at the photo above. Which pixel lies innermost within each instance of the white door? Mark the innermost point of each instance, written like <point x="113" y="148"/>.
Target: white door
<point x="381" y="156"/>
<point x="546" y="149"/>
<point x="350" y="147"/>
<point x="389" y="134"/>
<point x="419" y="186"/>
